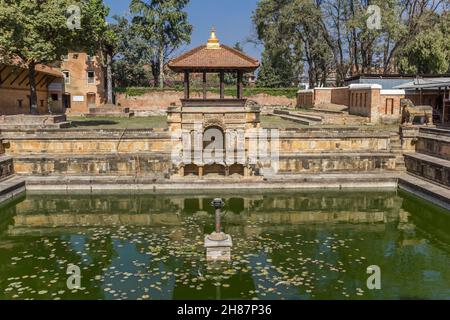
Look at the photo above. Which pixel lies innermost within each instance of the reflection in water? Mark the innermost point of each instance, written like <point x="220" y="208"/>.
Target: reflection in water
<point x="311" y="245"/>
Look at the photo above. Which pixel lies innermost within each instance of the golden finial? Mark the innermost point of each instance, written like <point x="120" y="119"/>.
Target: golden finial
<point x="213" y="42"/>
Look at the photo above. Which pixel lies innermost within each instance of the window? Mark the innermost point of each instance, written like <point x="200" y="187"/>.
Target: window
<point x="90" y="77"/>
<point x="54" y="97"/>
<point x="42" y="103"/>
<point x="75" y="56"/>
<point x="66" y="77"/>
<point x="19" y="103"/>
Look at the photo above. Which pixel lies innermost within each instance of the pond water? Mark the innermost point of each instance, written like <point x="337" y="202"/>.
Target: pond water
<point x="309" y="245"/>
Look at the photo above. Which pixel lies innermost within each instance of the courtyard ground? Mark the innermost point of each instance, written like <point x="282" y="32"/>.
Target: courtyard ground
<point x="159" y="122"/>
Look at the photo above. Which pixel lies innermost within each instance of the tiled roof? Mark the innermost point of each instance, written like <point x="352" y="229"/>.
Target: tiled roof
<point x="205" y="58"/>
<point x="17" y="62"/>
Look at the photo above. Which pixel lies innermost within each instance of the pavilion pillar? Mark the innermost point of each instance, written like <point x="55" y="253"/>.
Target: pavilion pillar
<point x="421" y="96"/>
<point x="186" y="85"/>
<point x="204" y="85"/>
<point x="222" y="88"/>
<point x="239" y="84"/>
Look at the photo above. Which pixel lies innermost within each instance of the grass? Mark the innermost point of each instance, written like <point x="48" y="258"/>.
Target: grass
<point x="274" y="122"/>
<point x="160" y="122"/>
<point x="118" y="123"/>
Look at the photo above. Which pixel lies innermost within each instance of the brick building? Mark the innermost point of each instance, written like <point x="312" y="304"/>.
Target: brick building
<point x="378" y="97"/>
<point x="15" y="89"/>
<point x="84" y="82"/>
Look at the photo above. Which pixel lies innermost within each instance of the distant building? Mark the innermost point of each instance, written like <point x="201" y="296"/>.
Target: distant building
<point x="378" y="97"/>
<point x="15" y="89"/>
<point x="84" y="82"/>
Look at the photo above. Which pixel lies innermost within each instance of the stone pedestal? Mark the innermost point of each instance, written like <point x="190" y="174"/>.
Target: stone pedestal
<point x="218" y="247"/>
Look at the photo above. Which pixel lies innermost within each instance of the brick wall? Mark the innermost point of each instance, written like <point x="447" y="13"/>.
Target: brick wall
<point x="322" y="95"/>
<point x="340" y="96"/>
<point x="9" y="101"/>
<point x="363" y="99"/>
<point x="305" y="98"/>
<point x="389" y="107"/>
<point x="161" y="100"/>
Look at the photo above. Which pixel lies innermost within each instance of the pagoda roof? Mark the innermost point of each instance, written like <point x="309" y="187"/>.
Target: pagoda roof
<point x="220" y="58"/>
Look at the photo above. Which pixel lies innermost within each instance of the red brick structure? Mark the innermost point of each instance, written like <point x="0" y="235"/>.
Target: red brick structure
<point x="365" y="100"/>
<point x="15" y="89"/>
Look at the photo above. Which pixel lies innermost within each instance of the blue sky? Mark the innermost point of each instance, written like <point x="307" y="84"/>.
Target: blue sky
<point x="232" y="19"/>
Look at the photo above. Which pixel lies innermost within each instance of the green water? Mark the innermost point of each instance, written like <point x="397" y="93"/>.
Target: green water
<point x="310" y="245"/>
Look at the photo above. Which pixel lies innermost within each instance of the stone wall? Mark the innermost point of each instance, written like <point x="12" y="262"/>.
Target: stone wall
<point x="6" y="167"/>
<point x="147" y="152"/>
<point x="431" y="161"/>
<point x="434" y="142"/>
<point x="140" y="164"/>
<point x="337" y="163"/>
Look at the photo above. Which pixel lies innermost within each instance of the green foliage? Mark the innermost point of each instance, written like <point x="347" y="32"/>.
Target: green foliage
<point x="336" y="38"/>
<point x="164" y="25"/>
<point x="38" y="32"/>
<point x="429" y="52"/>
<point x="281" y="60"/>
<point x="133" y="55"/>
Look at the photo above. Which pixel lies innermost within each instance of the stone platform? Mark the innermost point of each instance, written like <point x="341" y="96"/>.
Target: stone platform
<point x="30" y="122"/>
<point x="110" y="110"/>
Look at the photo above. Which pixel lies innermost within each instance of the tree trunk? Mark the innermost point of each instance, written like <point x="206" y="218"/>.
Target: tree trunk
<point x="109" y="81"/>
<point x="155" y="72"/>
<point x="161" y="68"/>
<point x="33" y="91"/>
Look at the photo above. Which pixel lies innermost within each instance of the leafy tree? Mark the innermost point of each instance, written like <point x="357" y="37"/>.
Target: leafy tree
<point x="334" y="36"/>
<point x="37" y="32"/>
<point x="132" y="55"/>
<point x="231" y="78"/>
<point x="164" y="24"/>
<point x="429" y="52"/>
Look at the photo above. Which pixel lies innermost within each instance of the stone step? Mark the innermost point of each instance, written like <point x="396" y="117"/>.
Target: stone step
<point x="430" y="159"/>
<point x="6" y="165"/>
<point x="429" y="168"/>
<point x="427" y="190"/>
<point x="11" y="187"/>
<point x="300" y="120"/>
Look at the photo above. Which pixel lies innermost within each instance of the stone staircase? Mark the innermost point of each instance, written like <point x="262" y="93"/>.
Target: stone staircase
<point x="396" y="149"/>
<point x="10" y="184"/>
<point x="302" y="118"/>
<point x="431" y="161"/>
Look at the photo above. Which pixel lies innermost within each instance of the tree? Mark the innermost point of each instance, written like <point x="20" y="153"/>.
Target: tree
<point x="231" y="78"/>
<point x="39" y="32"/>
<point x="429" y="52"/>
<point x="99" y="38"/>
<point x="132" y="56"/>
<point x="335" y="36"/>
<point x="164" y="24"/>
